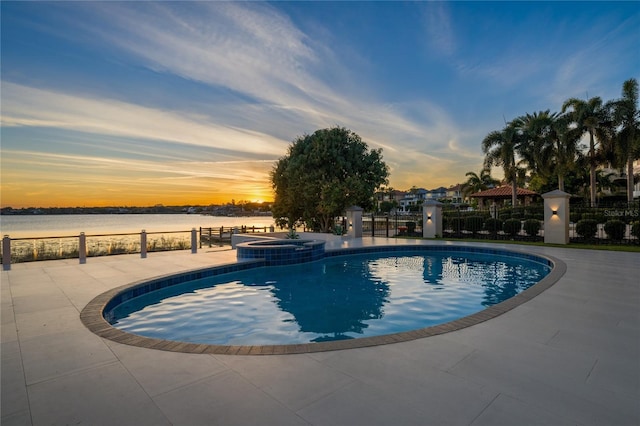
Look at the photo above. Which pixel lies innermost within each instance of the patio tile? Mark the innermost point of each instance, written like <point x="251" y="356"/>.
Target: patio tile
<point x="294" y="380"/>
<point x="224" y="399"/>
<point x="508" y="411"/>
<point x="50" y="356"/>
<point x="13" y="389"/>
<point x="105" y="395"/>
<point x="168" y="371"/>
<point x="359" y="404"/>
<point x="21" y="418"/>
<point x="48" y="321"/>
<point x="568" y="356"/>
<point x="507" y="378"/>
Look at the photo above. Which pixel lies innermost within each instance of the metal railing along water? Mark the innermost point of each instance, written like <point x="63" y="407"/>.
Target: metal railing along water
<point x="82" y="246"/>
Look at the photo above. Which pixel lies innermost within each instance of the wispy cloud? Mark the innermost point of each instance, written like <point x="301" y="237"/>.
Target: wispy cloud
<point x="208" y="94"/>
<point x="27" y="106"/>
<point x="249" y="48"/>
<point x="439" y="27"/>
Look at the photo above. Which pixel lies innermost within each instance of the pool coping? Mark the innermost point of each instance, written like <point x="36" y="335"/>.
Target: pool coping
<point x="92" y="316"/>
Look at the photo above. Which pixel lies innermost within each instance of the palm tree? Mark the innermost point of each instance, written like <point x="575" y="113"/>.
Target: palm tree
<point x="476" y="183"/>
<point x="550" y="145"/>
<point x="537" y="147"/>
<point x="500" y="149"/>
<point x="590" y="116"/>
<point x="565" y="152"/>
<point x="626" y="117"/>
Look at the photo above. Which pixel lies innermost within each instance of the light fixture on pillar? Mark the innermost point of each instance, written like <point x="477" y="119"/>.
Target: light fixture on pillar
<point x="429" y="217"/>
<point x="554" y="212"/>
<point x="350" y="225"/>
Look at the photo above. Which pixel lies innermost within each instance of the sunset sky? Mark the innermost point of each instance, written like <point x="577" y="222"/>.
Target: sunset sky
<point x="139" y="103"/>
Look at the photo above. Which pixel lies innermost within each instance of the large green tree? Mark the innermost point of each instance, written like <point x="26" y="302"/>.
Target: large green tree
<point x="322" y="175"/>
<point x="590" y="117"/>
<point x="500" y="148"/>
<point x="535" y="149"/>
<point x="626" y="117"/>
<point x="550" y="146"/>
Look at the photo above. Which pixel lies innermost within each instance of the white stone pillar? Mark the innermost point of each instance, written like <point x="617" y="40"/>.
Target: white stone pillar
<point x="431" y="219"/>
<point x="556" y="217"/>
<point x="354" y="222"/>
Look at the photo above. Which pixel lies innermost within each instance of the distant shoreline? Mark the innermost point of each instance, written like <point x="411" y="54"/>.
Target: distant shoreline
<point x="222" y="211"/>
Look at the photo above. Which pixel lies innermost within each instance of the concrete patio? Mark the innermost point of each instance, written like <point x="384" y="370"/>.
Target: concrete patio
<point x="570" y="356"/>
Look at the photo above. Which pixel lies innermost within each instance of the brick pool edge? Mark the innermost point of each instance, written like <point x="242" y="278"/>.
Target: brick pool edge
<point x="92" y="316"/>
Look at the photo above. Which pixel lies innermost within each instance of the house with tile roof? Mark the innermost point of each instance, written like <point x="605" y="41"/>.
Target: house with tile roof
<point x="500" y="194"/>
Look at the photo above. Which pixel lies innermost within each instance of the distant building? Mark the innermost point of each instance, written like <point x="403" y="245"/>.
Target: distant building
<point x="454" y="194"/>
<point x="437" y="194"/>
<point x="389" y="196"/>
<point x="414" y="199"/>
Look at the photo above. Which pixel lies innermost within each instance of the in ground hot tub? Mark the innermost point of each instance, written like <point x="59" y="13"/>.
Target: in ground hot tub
<point x="281" y="252"/>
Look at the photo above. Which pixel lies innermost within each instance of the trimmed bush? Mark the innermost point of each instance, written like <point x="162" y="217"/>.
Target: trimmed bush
<point x="635" y="229"/>
<point x="587" y="228"/>
<point x="532" y="227"/>
<point x="518" y="212"/>
<point x="597" y="216"/>
<point x="505" y="213"/>
<point x="615" y="229"/>
<point x="473" y="223"/>
<point x="512" y="226"/>
<point x="493" y="225"/>
<point x="456" y="224"/>
<point x="411" y="227"/>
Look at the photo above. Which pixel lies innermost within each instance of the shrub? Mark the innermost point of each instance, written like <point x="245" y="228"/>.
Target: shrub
<point x="587" y="228"/>
<point x="615" y="229"/>
<point x="517" y="212"/>
<point x="474" y="223"/>
<point x="456" y="224"/>
<point x="574" y="217"/>
<point x="505" y="213"/>
<point x="532" y="227"/>
<point x="635" y="229"/>
<point x="411" y="227"/>
<point x="597" y="216"/>
<point x="493" y="225"/>
<point x="512" y="226"/>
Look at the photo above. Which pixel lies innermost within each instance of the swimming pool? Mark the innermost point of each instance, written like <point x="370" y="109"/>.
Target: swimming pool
<point x="376" y="297"/>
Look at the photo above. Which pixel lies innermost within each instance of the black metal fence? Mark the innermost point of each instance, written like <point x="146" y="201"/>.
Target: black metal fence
<point x="393" y="225"/>
<point x="616" y="224"/>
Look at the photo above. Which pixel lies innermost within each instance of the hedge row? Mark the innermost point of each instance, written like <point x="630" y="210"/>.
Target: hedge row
<point x="511" y="226"/>
<point x="615" y="229"/>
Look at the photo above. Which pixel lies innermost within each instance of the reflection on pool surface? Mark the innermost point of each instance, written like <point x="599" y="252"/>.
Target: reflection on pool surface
<point x="341" y="297"/>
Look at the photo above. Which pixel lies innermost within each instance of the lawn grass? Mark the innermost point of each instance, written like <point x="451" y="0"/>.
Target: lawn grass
<point x="633" y="248"/>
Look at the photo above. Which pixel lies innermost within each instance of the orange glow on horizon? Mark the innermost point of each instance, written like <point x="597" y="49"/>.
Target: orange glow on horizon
<point x="46" y="195"/>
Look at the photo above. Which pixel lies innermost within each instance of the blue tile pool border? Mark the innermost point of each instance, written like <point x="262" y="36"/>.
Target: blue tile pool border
<point x="94" y="315"/>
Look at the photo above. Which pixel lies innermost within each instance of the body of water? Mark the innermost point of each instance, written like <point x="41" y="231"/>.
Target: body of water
<point x="32" y="226"/>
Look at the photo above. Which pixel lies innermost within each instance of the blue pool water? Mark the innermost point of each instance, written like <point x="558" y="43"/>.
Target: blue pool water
<point x="340" y="297"/>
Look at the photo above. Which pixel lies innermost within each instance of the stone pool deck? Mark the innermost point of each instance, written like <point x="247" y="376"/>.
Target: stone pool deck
<point x="569" y="356"/>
